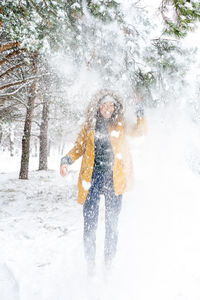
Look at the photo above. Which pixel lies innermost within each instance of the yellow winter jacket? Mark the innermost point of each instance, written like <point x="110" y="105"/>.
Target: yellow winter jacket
<point x="123" y="170"/>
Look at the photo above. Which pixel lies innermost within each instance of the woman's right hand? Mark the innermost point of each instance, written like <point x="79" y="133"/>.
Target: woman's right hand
<point x="63" y="170"/>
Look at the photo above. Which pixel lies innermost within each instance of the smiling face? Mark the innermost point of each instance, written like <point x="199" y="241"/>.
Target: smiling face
<point x="107" y="109"/>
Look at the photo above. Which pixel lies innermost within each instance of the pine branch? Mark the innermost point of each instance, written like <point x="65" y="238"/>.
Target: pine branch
<point x="17" y="83"/>
<point x="12" y="69"/>
<point x="40" y="14"/>
<point x="45" y="3"/>
<point x="17" y="100"/>
<point x="20" y="101"/>
<point x="9" y="46"/>
<point x="21" y="81"/>
<point x="7" y="57"/>
<point x="13" y="93"/>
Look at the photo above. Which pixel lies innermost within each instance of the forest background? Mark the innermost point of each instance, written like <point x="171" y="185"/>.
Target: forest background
<point x="54" y="55"/>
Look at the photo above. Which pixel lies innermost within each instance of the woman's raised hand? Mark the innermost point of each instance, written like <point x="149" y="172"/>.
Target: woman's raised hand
<point x="63" y="170"/>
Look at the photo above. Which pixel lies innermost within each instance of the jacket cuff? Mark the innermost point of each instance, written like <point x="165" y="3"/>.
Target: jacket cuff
<point x="66" y="160"/>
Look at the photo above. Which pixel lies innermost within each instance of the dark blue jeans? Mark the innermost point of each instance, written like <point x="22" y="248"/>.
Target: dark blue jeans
<point x="101" y="184"/>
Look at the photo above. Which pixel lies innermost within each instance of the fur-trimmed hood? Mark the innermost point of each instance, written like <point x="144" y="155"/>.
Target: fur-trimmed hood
<point x="93" y="108"/>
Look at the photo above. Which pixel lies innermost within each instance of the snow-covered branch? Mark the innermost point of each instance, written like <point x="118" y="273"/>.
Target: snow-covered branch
<point x="11" y="69"/>
<point x="7" y="57"/>
<point x="13" y="93"/>
<point x="21" y="81"/>
<point x="9" y="46"/>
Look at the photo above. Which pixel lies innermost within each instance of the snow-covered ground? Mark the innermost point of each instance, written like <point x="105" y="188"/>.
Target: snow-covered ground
<point x="41" y="252"/>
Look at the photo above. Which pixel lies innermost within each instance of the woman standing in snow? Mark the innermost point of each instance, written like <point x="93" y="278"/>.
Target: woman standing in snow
<point x="106" y="169"/>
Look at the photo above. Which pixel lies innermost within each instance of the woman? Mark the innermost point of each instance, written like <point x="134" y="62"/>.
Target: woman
<point x="106" y="169"/>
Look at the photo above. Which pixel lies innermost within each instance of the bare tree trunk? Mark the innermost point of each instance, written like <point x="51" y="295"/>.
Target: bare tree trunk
<point x="44" y="137"/>
<point x="27" y="126"/>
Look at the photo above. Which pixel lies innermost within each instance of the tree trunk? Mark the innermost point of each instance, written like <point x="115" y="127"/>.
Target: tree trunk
<point x="27" y="126"/>
<point x="44" y="137"/>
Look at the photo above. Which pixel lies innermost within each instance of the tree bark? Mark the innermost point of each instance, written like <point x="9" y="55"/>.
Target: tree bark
<point x="27" y="126"/>
<point x="44" y="138"/>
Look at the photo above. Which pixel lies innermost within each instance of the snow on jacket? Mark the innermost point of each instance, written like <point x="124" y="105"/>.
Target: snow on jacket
<point x="85" y="146"/>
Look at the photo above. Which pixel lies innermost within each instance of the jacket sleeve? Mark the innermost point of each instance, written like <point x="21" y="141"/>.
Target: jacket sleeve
<point x="79" y="147"/>
<point x="139" y="129"/>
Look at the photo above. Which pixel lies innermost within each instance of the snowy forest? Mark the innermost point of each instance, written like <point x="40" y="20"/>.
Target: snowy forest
<point x="55" y="57"/>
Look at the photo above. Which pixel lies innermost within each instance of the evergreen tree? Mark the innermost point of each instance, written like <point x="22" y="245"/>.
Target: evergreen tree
<point x="180" y="16"/>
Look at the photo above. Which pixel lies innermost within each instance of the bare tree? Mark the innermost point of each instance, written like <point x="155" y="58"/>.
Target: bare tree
<point x="44" y="137"/>
<point x="28" y="123"/>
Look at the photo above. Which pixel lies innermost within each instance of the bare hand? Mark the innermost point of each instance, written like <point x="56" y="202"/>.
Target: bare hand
<point x="63" y="170"/>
